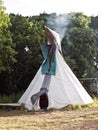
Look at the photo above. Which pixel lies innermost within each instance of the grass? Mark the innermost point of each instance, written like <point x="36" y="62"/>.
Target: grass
<point x="12" y="98"/>
<point x="70" y="117"/>
<point x="51" y="120"/>
<point x="55" y="120"/>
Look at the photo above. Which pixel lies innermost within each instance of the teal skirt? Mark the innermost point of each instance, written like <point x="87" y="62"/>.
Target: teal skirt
<point x="46" y="67"/>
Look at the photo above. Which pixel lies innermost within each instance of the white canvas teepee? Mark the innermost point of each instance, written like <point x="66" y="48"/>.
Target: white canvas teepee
<point x="64" y="88"/>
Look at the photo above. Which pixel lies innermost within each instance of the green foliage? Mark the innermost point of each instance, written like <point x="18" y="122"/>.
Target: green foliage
<point x="80" y="45"/>
<point x="94" y="23"/>
<point x="80" y="20"/>
<point x="18" y="32"/>
<point x="5" y="99"/>
<point x="7" y="51"/>
<point x="12" y="98"/>
<point x="27" y="32"/>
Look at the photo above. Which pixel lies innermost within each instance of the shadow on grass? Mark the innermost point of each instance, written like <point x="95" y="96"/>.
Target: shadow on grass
<point x="14" y="112"/>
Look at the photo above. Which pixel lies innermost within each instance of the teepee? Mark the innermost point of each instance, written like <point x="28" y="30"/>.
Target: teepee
<point x="64" y="87"/>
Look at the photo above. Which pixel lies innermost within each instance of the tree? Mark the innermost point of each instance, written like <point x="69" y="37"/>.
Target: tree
<point x="94" y="23"/>
<point x="26" y="33"/>
<point x="80" y="45"/>
<point x="7" y="51"/>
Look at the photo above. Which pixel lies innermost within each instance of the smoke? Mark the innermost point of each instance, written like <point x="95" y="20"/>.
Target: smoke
<point x="58" y="23"/>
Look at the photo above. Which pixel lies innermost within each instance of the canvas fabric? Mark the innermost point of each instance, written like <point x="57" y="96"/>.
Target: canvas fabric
<point x="64" y="88"/>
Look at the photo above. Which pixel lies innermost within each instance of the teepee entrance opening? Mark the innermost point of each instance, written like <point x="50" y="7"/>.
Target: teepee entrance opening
<point x="43" y="102"/>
